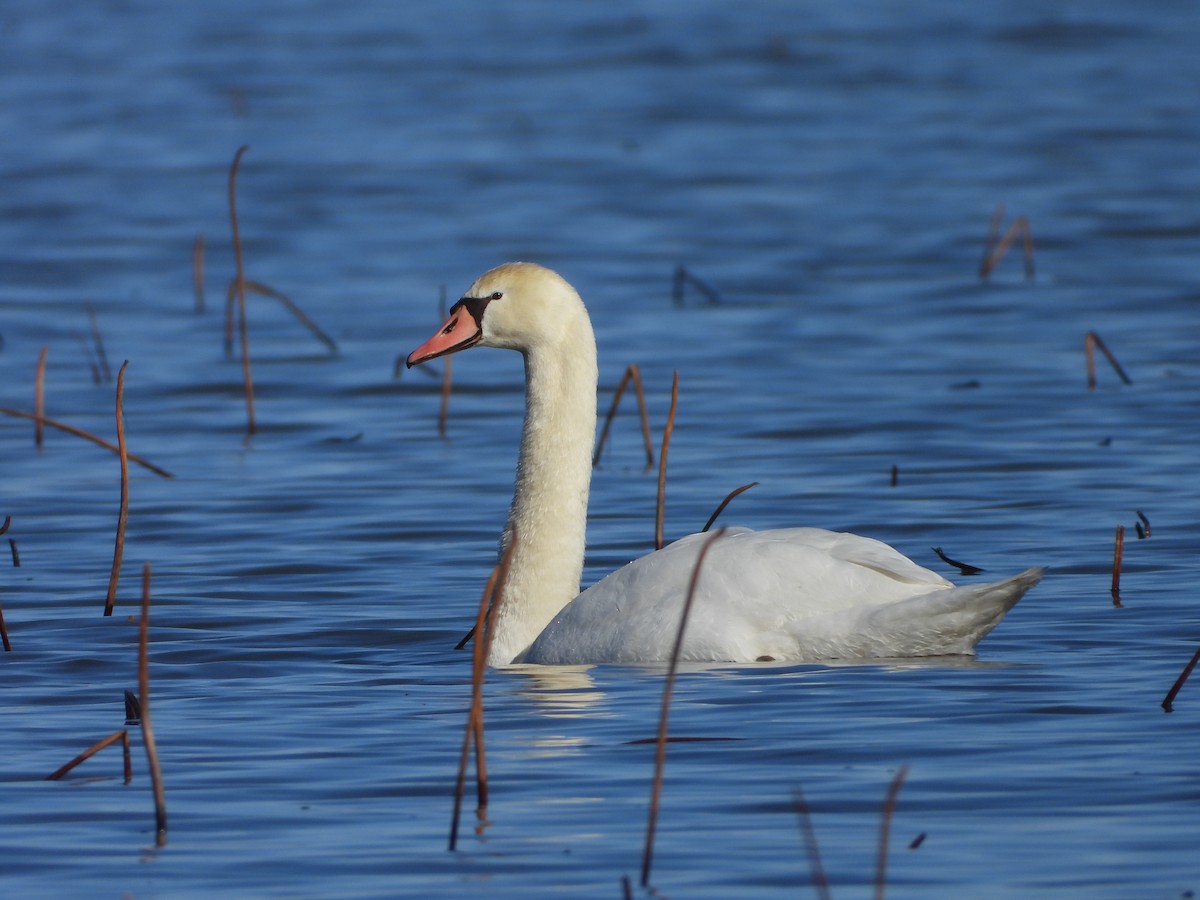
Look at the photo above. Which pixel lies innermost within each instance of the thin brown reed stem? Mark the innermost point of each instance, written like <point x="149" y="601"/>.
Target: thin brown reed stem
<point x="811" y="847"/>
<point x="725" y="503"/>
<point x="240" y="282"/>
<point x="123" y="514"/>
<point x="993" y="234"/>
<point x="660" y="750"/>
<point x="885" y="828"/>
<point x="7" y="524"/>
<point x="1090" y="342"/>
<point x="39" y="398"/>
<point x="86" y="435"/>
<point x="16" y="556"/>
<point x="996" y="250"/>
<point x="634" y="374"/>
<point x="156" y="783"/>
<point x="122" y="736"/>
<point x="98" y="343"/>
<point x="198" y="272"/>
<point x="1169" y="700"/>
<point x="1118" y="552"/>
<point x="489" y="606"/>
<point x="4" y="634"/>
<point x="447" y="384"/>
<point x="662" y="462"/>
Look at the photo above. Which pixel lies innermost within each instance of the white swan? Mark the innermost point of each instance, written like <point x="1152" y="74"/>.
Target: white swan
<point x="786" y="594"/>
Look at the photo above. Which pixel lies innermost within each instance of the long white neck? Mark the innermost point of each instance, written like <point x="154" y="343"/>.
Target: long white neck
<point x="549" y="507"/>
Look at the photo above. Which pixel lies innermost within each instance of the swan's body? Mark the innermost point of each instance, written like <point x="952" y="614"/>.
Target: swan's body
<point x="786" y="594"/>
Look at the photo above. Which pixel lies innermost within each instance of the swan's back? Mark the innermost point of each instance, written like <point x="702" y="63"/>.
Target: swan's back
<point x="787" y="594"/>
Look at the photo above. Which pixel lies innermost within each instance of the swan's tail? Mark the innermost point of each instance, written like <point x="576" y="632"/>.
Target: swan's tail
<point x="948" y="622"/>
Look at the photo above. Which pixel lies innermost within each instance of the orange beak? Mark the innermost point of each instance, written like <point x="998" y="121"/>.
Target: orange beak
<point x="460" y="332"/>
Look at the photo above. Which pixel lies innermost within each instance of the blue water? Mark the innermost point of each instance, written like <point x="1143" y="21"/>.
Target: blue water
<point x="830" y="170"/>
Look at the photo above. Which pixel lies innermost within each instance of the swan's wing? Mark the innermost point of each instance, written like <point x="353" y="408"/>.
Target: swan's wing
<point x="785" y="582"/>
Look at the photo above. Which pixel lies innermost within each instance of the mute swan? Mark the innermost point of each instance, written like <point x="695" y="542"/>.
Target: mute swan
<point x="786" y="594"/>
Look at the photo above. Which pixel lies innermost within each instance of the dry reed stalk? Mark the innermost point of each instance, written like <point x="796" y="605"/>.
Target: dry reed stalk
<point x="683" y="277"/>
<point x="98" y="343"/>
<point x="86" y="435"/>
<point x="634" y="374"/>
<point x="885" y="827"/>
<point x="993" y="234"/>
<point x="1143" y="532"/>
<point x="626" y="888"/>
<point x="447" y="383"/>
<point x="90" y="357"/>
<point x="1091" y="341"/>
<point x="895" y="475"/>
<point x="240" y="282"/>
<point x="485" y="619"/>
<point x="39" y="398"/>
<point x="122" y="736"/>
<point x="160" y="800"/>
<point x="662" y="462"/>
<point x="257" y="287"/>
<point x="963" y="568"/>
<point x="7" y="524"/>
<point x="812" y="848"/>
<point x="660" y="751"/>
<point x="725" y="503"/>
<point x="1169" y="700"/>
<point x="4" y="634"/>
<point x="994" y="251"/>
<point x="16" y="556"/>
<point x="123" y="514"/>
<point x="1118" y="552"/>
<point x="198" y="272"/>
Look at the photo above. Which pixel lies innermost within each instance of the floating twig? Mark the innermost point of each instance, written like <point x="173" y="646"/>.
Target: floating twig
<point x="198" y="272"/>
<point x="133" y="709"/>
<point x="994" y="251"/>
<point x="7" y="524"/>
<point x="963" y="568"/>
<point x="4" y="634"/>
<point x="86" y="435"/>
<point x="122" y="736"/>
<point x="917" y="841"/>
<point x="160" y="800"/>
<point x="725" y="503"/>
<point x="1142" y="521"/>
<point x="634" y="374"/>
<point x="885" y="826"/>
<point x="39" y="398"/>
<point x="683" y="277"/>
<point x="812" y="848"/>
<point x="98" y="343"/>
<point x="240" y="284"/>
<point x="1118" y="552"/>
<point x="662" y="464"/>
<point x="489" y="607"/>
<point x="1090" y="342"/>
<point x="660" y="752"/>
<point x="123" y="514"/>
<point x="1169" y="700"/>
<point x="16" y="556"/>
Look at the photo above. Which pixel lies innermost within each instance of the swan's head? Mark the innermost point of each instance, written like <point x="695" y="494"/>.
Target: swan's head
<point x="517" y="306"/>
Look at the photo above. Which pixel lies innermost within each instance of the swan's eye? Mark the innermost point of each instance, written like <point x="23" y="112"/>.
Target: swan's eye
<point x="496" y="295"/>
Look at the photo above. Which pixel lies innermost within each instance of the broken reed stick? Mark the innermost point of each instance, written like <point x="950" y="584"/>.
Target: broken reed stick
<point x="447" y="383"/>
<point x="122" y="736"/>
<point x="240" y="282"/>
<point x="1091" y="341"/>
<point x="123" y="514"/>
<point x="1118" y="552"/>
<point x="257" y="287"/>
<point x="86" y="435"/>
<point x="90" y="357"/>
<point x="660" y="751"/>
<point x="993" y="233"/>
<point x="662" y="464"/>
<point x="39" y="397"/>
<point x="963" y="568"/>
<point x="4" y="634"/>
<point x="1143" y="525"/>
<point x="819" y="879"/>
<point x="895" y="475"/>
<point x="994" y="251"/>
<point x="489" y="605"/>
<point x="725" y="503"/>
<point x="885" y="827"/>
<point x="634" y="374"/>
<point x="16" y="556"/>
<point x="1169" y="700"/>
<point x="98" y="343"/>
<point x="198" y="272"/>
<point x="683" y="277"/>
<point x="160" y="800"/>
